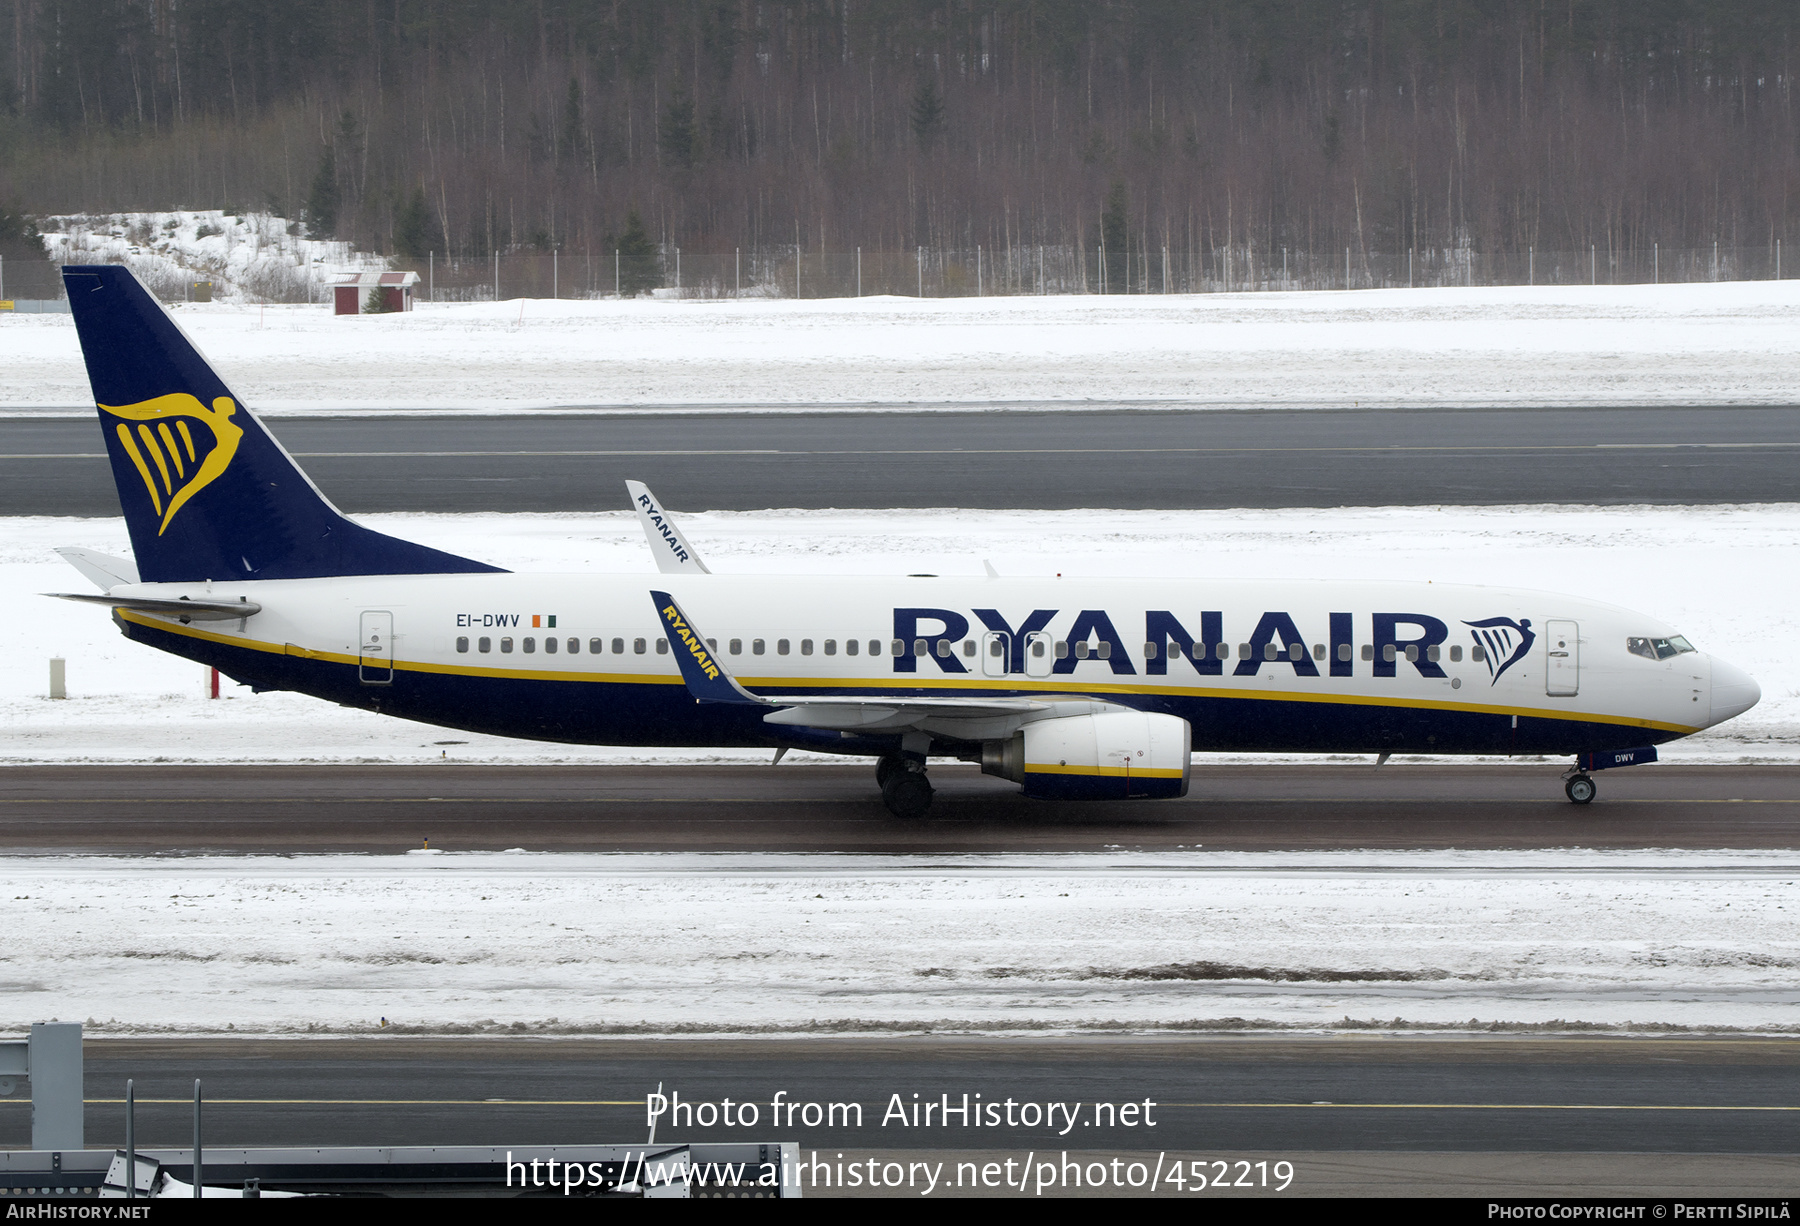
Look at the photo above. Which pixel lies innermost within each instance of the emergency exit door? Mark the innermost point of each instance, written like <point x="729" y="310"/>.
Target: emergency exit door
<point x="375" y="659"/>
<point x="996" y="653"/>
<point x="1562" y="671"/>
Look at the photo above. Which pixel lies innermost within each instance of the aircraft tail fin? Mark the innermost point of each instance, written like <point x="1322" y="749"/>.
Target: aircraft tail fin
<point x="207" y="492"/>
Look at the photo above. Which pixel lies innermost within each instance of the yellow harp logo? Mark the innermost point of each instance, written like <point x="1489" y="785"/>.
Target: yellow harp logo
<point x="178" y="465"/>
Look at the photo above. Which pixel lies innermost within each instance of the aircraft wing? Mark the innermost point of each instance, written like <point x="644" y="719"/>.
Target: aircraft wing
<point x="674" y="556"/>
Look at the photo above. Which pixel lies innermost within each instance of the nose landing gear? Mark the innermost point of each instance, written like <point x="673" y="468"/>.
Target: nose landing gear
<point x="1580" y="788"/>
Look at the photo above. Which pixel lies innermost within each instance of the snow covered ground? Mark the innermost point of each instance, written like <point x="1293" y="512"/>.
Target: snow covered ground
<point x="1698" y="344"/>
<point x="796" y="944"/>
<point x="1728" y="577"/>
<point x="248" y="257"/>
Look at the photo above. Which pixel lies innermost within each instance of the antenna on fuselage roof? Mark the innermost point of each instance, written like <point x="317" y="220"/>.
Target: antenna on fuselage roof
<point x="674" y="555"/>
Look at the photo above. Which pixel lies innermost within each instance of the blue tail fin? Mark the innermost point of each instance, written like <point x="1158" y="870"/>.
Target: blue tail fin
<point x="207" y="492"/>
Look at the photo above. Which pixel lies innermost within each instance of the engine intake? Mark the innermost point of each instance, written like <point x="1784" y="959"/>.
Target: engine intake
<point x="1116" y="755"/>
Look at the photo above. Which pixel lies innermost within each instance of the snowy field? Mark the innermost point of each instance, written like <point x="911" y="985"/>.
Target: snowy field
<point x="1724" y="343"/>
<point x="778" y="944"/>
<point x="1725" y="576"/>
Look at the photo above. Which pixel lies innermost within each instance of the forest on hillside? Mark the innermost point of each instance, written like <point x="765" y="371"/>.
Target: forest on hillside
<point x="476" y="126"/>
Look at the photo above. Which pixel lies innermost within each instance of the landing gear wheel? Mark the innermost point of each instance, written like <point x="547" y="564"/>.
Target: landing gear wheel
<point x="887" y="768"/>
<point x="1581" y="789"/>
<point x="907" y="794"/>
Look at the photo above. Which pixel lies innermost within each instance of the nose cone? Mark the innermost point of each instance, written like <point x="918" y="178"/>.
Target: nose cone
<point x="1733" y="692"/>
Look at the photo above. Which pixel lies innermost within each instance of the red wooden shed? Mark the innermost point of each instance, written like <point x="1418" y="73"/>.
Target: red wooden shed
<point x="351" y="290"/>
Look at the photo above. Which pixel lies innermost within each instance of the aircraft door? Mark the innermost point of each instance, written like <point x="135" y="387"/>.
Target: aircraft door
<point x="996" y="653"/>
<point x="375" y="658"/>
<point x="1040" y="654"/>
<point x="1562" y="672"/>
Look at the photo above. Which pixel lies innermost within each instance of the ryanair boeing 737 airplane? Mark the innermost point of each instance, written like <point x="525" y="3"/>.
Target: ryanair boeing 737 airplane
<point x="1074" y="689"/>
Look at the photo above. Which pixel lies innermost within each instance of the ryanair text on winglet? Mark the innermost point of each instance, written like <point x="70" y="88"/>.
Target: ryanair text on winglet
<point x="695" y="645"/>
<point x="669" y="537"/>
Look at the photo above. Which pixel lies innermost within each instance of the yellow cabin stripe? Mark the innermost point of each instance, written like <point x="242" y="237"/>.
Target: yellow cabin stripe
<point x="1118" y="772"/>
<point x="1043" y="688"/>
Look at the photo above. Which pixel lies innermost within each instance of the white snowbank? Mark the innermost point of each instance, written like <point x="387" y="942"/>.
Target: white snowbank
<point x="1728" y="577"/>
<point x="1721" y="343"/>
<point x="774" y="944"/>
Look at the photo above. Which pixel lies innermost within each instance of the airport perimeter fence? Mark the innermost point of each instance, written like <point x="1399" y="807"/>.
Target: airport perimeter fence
<point x="926" y="272"/>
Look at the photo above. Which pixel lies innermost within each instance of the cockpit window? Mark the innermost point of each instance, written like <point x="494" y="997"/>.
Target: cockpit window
<point x="1658" y="649"/>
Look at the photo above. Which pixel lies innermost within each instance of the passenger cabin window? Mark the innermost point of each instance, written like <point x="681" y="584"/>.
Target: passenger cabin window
<point x="662" y="647"/>
<point x="1388" y="653"/>
<point x="462" y="644"/>
<point x="530" y="645"/>
<point x="637" y="646"/>
<point x="484" y="644"/>
<point x="1344" y="652"/>
<point x="781" y="647"/>
<point x="1081" y="651"/>
<point x="1062" y="650"/>
<point x="1318" y="651"/>
<point x="968" y="647"/>
<point x="1244" y="652"/>
<point x="1037" y="648"/>
<point x="549" y="646"/>
<point x="596" y="646"/>
<point x="505" y="645"/>
<point x="1478" y="653"/>
<point x="1368" y="651"/>
<point x="1456" y="655"/>
<point x="852" y="646"/>
<point x="1431" y="653"/>
<point x="943" y="648"/>
<point x="618" y="647"/>
<point x="574" y="647"/>
<point x="756" y="647"/>
<point x="875" y="647"/>
<point x="831" y="647"/>
<point x="737" y="647"/>
<point x="1151" y="650"/>
<point x="806" y="647"/>
<point x="1658" y="649"/>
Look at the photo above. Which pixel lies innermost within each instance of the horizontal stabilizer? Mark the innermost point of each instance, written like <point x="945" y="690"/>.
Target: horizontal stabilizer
<point x="674" y="555"/>
<point x="102" y="570"/>
<point x="187" y="610"/>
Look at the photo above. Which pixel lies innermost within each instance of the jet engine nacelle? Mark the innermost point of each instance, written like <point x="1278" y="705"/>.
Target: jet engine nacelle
<point x="1112" y="756"/>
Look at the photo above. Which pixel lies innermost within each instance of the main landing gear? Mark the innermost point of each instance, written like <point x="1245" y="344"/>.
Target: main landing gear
<point x="904" y="788"/>
<point x="1580" y="788"/>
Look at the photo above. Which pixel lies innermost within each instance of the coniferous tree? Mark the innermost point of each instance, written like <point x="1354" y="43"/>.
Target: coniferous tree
<point x="415" y="230"/>
<point x="569" y="141"/>
<point x="927" y="114"/>
<point x="1114" y="237"/>
<point x="322" y="200"/>
<point x="680" y="134"/>
<point x="640" y="267"/>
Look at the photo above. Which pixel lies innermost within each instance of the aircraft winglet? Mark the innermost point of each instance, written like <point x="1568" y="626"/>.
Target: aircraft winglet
<point x="703" y="671"/>
<point x="674" y="556"/>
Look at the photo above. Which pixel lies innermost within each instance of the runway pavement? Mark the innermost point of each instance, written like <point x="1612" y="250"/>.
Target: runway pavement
<point x="181" y="809"/>
<point x="1014" y="457"/>
<point x="1212" y="1097"/>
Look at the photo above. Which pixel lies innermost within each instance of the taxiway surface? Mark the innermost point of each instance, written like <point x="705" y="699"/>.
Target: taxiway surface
<point x="182" y="809"/>
<point x="1012" y="457"/>
<point x="1213" y="1096"/>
